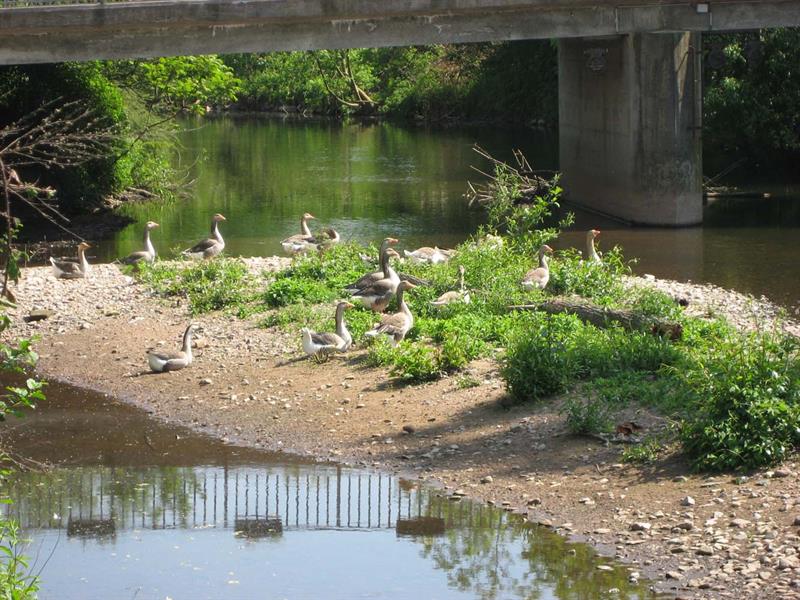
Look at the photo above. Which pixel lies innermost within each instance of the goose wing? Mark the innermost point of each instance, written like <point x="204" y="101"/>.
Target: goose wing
<point x="202" y="246"/>
<point x="327" y="339"/>
<point x="66" y="266"/>
<point x="365" y="281"/>
<point x="396" y="323"/>
<point x="380" y="289"/>
<point x="136" y="257"/>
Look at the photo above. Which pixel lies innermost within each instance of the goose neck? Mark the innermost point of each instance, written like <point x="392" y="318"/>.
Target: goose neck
<point x="187" y="342"/>
<point x="401" y="301"/>
<point x="341" y="326"/>
<point x="82" y="258"/>
<point x="304" y="227"/>
<point x="543" y="259"/>
<point x="148" y="245"/>
<point x="215" y="232"/>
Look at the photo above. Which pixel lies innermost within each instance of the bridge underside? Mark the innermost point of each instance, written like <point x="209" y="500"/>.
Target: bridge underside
<point x="629" y="91"/>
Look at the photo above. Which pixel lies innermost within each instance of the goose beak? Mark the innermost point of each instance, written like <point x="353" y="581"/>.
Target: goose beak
<point x="348" y="305"/>
<point x="392" y="240"/>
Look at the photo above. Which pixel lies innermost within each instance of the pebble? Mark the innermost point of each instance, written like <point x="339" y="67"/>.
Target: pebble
<point x="489" y="479"/>
<point x="205" y="381"/>
<point x="688" y="501"/>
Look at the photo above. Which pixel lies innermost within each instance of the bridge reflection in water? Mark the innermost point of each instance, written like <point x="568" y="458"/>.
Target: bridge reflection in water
<point x="255" y="502"/>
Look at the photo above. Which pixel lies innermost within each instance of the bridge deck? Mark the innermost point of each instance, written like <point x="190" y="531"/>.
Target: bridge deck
<point x="47" y="31"/>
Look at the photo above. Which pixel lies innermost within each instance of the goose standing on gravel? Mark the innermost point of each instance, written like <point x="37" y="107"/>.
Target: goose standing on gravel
<point x="160" y="362"/>
<point x="426" y="254"/>
<point x="398" y="324"/>
<point x="148" y="254"/>
<point x="537" y="278"/>
<point x="68" y="269"/>
<point x="591" y="252"/>
<point x="320" y="345"/>
<point x="383" y="261"/>
<point x="462" y="295"/>
<point x="211" y="246"/>
<point x="295" y="244"/>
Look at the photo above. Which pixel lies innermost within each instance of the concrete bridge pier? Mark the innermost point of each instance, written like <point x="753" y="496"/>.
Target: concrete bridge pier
<point x="630" y="110"/>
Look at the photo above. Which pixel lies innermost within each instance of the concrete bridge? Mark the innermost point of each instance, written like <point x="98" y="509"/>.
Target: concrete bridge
<point x="630" y="86"/>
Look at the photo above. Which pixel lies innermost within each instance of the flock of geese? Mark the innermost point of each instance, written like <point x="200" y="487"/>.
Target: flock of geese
<point x="374" y="290"/>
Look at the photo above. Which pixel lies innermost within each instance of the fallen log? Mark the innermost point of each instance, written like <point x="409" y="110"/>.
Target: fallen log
<point x="600" y="316"/>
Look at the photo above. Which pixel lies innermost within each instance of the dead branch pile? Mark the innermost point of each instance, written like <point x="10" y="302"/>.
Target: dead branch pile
<point x="530" y="184"/>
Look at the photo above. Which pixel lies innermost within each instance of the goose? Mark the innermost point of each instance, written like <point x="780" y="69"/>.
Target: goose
<point x="299" y="243"/>
<point x="377" y="295"/>
<point x="426" y="254"/>
<point x="320" y="345"/>
<point x="462" y="295"/>
<point x="160" y="362"/>
<point x="383" y="260"/>
<point x="398" y="324"/>
<point x="149" y="252"/>
<point x="211" y="246"/>
<point x="591" y="253"/>
<point x="67" y="269"/>
<point x="537" y="278"/>
<point x="326" y="239"/>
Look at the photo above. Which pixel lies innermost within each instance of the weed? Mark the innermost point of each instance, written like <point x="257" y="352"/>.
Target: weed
<point x="645" y="453"/>
<point x="589" y="415"/>
<point x="467" y="381"/>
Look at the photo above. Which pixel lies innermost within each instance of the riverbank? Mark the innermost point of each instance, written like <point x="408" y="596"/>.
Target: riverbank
<point x="696" y="536"/>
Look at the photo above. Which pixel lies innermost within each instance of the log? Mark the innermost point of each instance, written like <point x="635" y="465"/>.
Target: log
<point x="600" y="316"/>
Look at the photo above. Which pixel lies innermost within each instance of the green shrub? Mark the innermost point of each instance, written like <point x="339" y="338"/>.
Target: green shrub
<point x="602" y="282"/>
<point x="587" y="416"/>
<point x="746" y="397"/>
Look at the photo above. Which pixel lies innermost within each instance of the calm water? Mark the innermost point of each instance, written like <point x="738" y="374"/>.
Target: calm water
<point x="136" y="509"/>
<point x="375" y="179"/>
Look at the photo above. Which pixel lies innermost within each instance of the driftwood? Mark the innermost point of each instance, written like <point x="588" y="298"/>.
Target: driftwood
<point x="600" y="316"/>
<point x="530" y="184"/>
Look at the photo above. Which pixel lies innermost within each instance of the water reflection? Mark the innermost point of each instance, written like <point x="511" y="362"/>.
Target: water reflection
<point x="174" y="514"/>
<point x="456" y="548"/>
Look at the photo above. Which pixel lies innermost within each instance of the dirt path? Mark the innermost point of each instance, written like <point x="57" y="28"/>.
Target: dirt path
<point x="695" y="536"/>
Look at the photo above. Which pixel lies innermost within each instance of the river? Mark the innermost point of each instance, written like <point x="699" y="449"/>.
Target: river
<point x="373" y="179"/>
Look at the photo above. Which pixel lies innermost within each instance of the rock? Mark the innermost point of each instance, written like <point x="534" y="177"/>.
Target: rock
<point x="587" y="501"/>
<point x="640" y="526"/>
<point x="205" y="381"/>
<point x="796" y="522"/>
<point x="487" y="479"/>
<point x="782" y="473"/>
<point x="674" y="575"/>
<point x="604" y="568"/>
<point x="409" y="429"/>
<point x="688" y="501"/>
<point x="740" y="523"/>
<point x="38" y="315"/>
<point x="705" y="550"/>
<point x="680" y="479"/>
<point x="360" y="405"/>
<point x="534" y="502"/>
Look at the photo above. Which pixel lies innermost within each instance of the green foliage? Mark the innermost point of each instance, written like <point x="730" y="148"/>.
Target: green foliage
<point x="602" y="282"/>
<point x="588" y="415"/>
<point x="746" y="401"/>
<point x="750" y="103"/>
<point x="16" y="357"/>
<point x="502" y="82"/>
<point x="208" y="285"/>
<point x="177" y="84"/>
<point x="16" y="582"/>
<point x="645" y="453"/>
<point x="559" y="350"/>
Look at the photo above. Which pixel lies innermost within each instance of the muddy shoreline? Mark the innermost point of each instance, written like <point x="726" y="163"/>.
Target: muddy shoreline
<point x="695" y="536"/>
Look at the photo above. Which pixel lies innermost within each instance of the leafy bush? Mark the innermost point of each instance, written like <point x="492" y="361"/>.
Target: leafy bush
<point x="590" y="415"/>
<point x="602" y="282"/>
<point x="286" y="291"/>
<point x="746" y="399"/>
